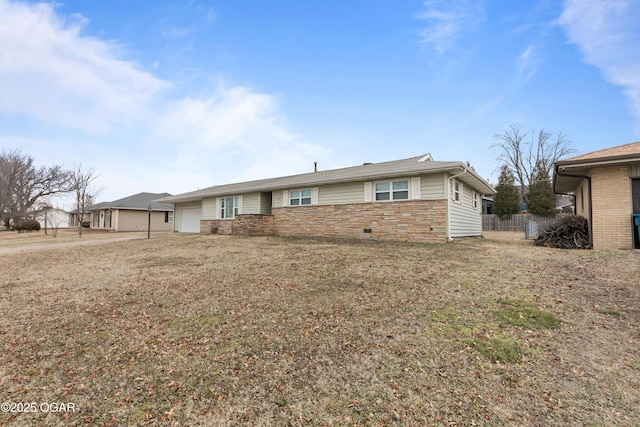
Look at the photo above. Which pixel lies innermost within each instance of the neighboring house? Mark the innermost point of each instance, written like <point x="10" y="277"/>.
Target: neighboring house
<point x="53" y="218"/>
<point x="414" y="199"/>
<point x="606" y="185"/>
<point x="564" y="204"/>
<point x="130" y="214"/>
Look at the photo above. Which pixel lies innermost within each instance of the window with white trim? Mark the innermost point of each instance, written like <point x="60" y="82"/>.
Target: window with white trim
<point x="457" y="191"/>
<point x="474" y="200"/>
<point x="229" y="207"/>
<point x="392" y="190"/>
<point x="300" y="197"/>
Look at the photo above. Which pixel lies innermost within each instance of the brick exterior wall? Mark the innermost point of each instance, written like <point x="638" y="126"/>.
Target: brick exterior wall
<point x="409" y="221"/>
<point x="215" y="226"/>
<point x="244" y="225"/>
<point x="252" y="225"/>
<point x="611" y="216"/>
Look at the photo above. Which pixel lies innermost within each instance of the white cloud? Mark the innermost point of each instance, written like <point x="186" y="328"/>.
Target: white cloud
<point x="527" y="64"/>
<point x="130" y="125"/>
<point x="237" y="130"/>
<point x="448" y="20"/>
<point x="608" y="35"/>
<point x="51" y="72"/>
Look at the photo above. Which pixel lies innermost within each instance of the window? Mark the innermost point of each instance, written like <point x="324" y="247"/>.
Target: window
<point x="107" y="218"/>
<point x="96" y="219"/>
<point x="475" y="200"/>
<point x="299" y="197"/>
<point x="457" y="189"/>
<point x="168" y="216"/>
<point x="228" y="207"/>
<point x="392" y="190"/>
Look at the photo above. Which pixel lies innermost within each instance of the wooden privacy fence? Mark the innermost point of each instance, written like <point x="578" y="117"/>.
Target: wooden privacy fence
<point x="516" y="222"/>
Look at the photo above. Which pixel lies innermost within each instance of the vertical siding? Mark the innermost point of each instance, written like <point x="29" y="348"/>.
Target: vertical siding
<point x="465" y="219"/>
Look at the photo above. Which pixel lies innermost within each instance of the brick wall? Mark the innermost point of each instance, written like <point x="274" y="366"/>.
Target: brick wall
<point x="215" y="226"/>
<point x="252" y="225"/>
<point x="246" y="225"/>
<point x="611" y="216"/>
<point x="412" y="221"/>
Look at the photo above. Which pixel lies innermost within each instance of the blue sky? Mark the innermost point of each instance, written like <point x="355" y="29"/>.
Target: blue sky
<point x="174" y="96"/>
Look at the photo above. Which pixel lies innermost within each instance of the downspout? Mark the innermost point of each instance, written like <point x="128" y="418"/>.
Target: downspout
<point x="464" y="170"/>
<point x="575" y="207"/>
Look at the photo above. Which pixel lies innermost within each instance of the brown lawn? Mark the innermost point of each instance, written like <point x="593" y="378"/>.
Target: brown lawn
<point x="221" y="330"/>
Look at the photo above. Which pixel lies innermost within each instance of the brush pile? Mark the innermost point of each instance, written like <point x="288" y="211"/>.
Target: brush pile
<point x="570" y="232"/>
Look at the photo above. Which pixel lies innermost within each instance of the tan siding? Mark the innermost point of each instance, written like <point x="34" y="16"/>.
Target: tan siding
<point x="251" y="203"/>
<point x="266" y="200"/>
<point x="432" y="186"/>
<point x="208" y="208"/>
<point x="634" y="170"/>
<point x="130" y="220"/>
<point x="611" y="197"/>
<point x="350" y="192"/>
<point x="277" y="199"/>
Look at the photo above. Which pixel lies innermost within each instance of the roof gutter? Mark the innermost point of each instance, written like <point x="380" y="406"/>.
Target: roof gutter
<point x="588" y="178"/>
<point x="598" y="162"/>
<point x="464" y="170"/>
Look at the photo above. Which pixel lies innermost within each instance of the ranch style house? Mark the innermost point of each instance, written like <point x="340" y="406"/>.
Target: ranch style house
<point x="415" y="200"/>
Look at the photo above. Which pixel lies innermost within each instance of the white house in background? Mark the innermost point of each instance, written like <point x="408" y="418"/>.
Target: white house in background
<point x="53" y="218"/>
<point x="415" y="199"/>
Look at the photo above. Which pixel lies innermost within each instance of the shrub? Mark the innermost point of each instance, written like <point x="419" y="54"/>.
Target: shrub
<point x="27" y="225"/>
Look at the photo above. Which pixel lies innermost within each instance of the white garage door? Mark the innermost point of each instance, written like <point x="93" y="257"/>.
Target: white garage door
<point x="190" y="220"/>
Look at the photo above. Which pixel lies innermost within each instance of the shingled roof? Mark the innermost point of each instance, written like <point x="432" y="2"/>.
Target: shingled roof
<point x="140" y="201"/>
<point x="622" y="152"/>
<point x="414" y="165"/>
<point x="570" y="172"/>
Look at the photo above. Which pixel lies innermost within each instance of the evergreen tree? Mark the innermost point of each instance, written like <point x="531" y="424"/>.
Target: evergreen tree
<point x="507" y="200"/>
<point x="541" y="201"/>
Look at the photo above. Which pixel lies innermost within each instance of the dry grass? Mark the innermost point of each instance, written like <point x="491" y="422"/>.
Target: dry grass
<point x="219" y="330"/>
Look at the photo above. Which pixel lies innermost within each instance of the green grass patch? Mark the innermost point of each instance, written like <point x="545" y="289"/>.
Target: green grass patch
<point x="611" y="312"/>
<point x="525" y="315"/>
<point x="497" y="350"/>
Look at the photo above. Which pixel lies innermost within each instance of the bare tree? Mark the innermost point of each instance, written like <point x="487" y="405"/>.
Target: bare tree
<point x="524" y="152"/>
<point x="22" y="184"/>
<point x="54" y="222"/>
<point x="82" y="187"/>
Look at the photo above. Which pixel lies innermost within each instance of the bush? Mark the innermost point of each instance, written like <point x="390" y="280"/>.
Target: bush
<point x="27" y="225"/>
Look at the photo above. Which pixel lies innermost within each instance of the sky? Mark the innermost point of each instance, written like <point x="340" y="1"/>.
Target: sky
<point x="174" y="96"/>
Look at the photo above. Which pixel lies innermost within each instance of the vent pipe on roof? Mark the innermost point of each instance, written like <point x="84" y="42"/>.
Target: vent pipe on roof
<point x="315" y="166"/>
